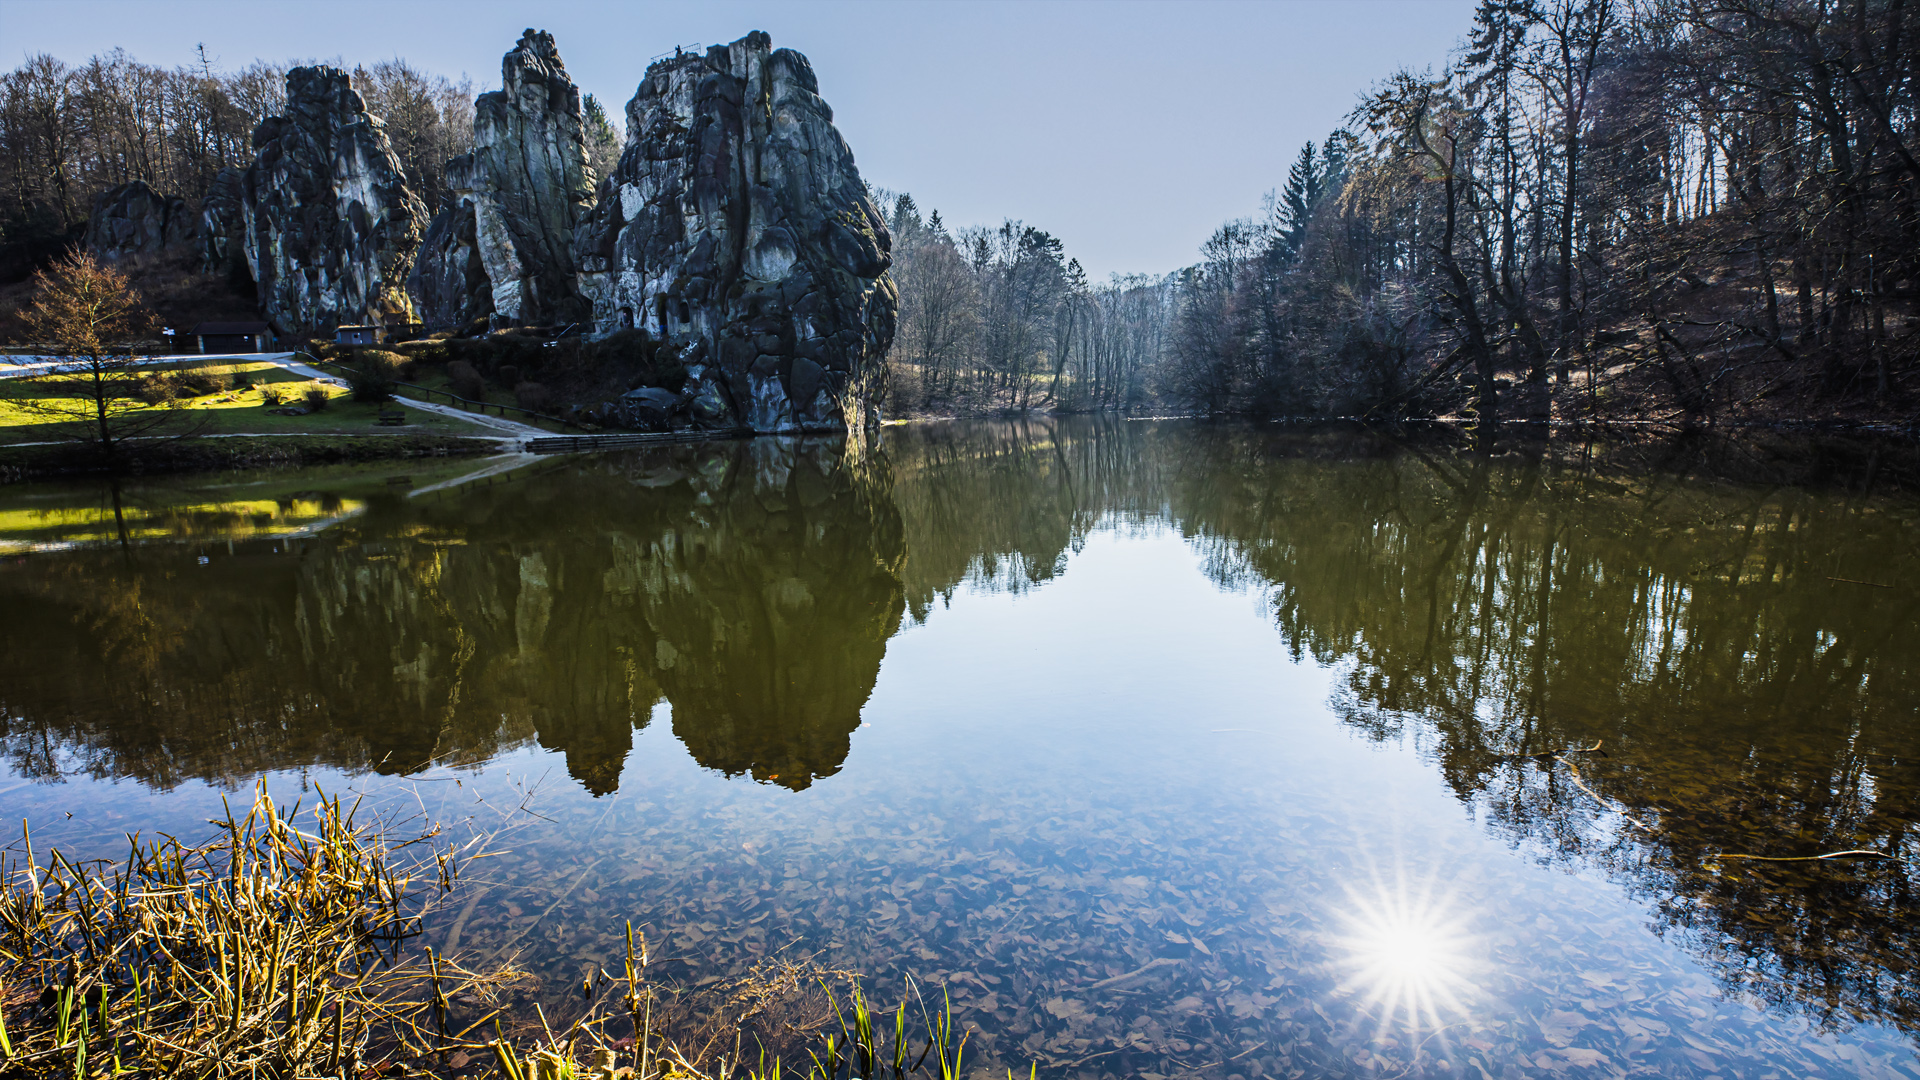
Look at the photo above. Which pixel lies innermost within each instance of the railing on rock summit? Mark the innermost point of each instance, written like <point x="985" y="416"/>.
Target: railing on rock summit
<point x="678" y="53"/>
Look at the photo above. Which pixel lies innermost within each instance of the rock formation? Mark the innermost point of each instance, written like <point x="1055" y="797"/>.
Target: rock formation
<point x="133" y="219"/>
<point x="449" y="285"/>
<point x="737" y="227"/>
<point x="329" y="223"/>
<point x="223" y="245"/>
<point x="505" y="247"/>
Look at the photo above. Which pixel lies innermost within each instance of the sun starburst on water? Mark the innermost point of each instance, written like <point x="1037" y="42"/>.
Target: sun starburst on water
<point x="1407" y="952"/>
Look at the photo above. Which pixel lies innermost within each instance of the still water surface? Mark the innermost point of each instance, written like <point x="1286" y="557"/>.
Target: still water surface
<point x="1168" y="749"/>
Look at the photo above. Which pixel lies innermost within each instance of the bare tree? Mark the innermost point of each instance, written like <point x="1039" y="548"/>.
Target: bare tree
<point x="429" y="119"/>
<point x="84" y="311"/>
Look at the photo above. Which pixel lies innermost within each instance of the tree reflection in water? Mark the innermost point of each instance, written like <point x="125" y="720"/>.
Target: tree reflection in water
<point x="1746" y="699"/>
<point x="1694" y="607"/>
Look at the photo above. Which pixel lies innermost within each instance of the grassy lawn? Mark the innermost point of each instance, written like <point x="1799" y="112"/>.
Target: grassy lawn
<point x="236" y="411"/>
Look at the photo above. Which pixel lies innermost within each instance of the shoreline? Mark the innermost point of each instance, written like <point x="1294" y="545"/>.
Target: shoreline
<point x="20" y="463"/>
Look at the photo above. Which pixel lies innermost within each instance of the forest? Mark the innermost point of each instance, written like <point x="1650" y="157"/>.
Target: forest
<point x="1693" y="211"/>
<point x="1667" y="209"/>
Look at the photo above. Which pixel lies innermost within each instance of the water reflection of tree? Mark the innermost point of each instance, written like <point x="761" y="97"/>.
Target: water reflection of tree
<point x="753" y="585"/>
<point x="1500" y="607"/>
<point x="1000" y="506"/>
<point x="1690" y="605"/>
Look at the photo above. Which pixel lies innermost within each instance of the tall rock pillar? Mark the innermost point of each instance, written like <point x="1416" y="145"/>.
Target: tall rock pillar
<point x="329" y="223"/>
<point x="737" y="227"/>
<point x="505" y="246"/>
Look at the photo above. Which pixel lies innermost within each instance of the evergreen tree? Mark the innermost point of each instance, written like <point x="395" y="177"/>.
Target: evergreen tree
<point x="603" y="140"/>
<point x="1340" y="148"/>
<point x="906" y="225"/>
<point x="1302" y="193"/>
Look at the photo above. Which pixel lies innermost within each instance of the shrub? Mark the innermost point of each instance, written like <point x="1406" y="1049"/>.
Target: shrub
<point x="533" y="397"/>
<point x="425" y="352"/>
<point x="270" y="395"/>
<point x="373" y="374"/>
<point x="636" y="352"/>
<point x="495" y="351"/>
<point x="200" y="381"/>
<point x="507" y="375"/>
<point x="156" y="389"/>
<point x="316" y="399"/>
<point x="465" y="382"/>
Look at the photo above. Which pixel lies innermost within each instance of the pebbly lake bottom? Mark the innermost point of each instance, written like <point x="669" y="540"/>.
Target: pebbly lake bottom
<point x="1139" y="807"/>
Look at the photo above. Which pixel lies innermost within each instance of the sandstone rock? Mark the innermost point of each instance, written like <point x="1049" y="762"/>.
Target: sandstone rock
<point x="223" y="244"/>
<point x="329" y="223"/>
<point x="133" y="219"/>
<point x="505" y="246"/>
<point x="449" y="285"/>
<point x="737" y="227"/>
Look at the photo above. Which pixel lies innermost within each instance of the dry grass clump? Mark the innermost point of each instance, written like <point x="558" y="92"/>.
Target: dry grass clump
<point x="275" y="952"/>
<point x="268" y="951"/>
<point x="784" y="1019"/>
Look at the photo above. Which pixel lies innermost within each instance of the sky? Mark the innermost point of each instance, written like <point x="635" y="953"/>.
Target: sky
<point x="1130" y="130"/>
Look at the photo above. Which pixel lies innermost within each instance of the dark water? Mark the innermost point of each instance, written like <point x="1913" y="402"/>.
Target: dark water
<point x="1170" y="750"/>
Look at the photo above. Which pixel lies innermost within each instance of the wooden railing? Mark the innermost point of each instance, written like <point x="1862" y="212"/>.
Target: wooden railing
<point x="467" y="404"/>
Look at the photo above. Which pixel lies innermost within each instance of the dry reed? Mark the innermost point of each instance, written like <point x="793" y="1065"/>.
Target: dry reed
<point x="267" y="951"/>
<point x="271" y="951"/>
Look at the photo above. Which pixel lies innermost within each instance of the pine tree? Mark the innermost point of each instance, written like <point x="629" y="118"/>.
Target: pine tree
<point x="1302" y="193"/>
<point x="603" y="141"/>
<point x="906" y="224"/>
<point x="1339" y="149"/>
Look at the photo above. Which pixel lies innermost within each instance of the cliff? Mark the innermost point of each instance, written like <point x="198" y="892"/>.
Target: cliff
<point x="737" y="228"/>
<point x="329" y="224"/>
<point x="133" y="219"/>
<point x="505" y="246"/>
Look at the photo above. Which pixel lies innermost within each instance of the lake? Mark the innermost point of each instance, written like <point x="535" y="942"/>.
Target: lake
<point x="1168" y="749"/>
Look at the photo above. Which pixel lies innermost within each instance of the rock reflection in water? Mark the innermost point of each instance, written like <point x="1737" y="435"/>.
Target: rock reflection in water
<point x="751" y="585"/>
<point x="1694" y="607"/>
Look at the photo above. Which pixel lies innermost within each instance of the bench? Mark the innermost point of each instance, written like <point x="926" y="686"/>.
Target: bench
<point x="392" y="417"/>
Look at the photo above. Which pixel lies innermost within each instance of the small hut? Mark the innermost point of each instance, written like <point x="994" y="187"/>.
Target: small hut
<point x="230" y="337"/>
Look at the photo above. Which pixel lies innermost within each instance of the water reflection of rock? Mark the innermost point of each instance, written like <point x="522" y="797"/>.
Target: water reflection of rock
<point x="771" y="610"/>
<point x="754" y="586"/>
<point x="1681" y="602"/>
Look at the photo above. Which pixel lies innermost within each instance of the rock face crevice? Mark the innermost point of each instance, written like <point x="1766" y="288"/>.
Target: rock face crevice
<point x="330" y="227"/>
<point x="737" y="228"/>
<point x="223" y="245"/>
<point x="133" y="219"/>
<point x="505" y="246"/>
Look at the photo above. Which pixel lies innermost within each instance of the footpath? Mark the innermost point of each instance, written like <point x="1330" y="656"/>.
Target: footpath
<point x="512" y="436"/>
<point x="504" y="430"/>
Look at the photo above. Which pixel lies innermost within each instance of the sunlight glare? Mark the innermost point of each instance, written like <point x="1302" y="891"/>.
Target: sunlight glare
<point x="1407" y="952"/>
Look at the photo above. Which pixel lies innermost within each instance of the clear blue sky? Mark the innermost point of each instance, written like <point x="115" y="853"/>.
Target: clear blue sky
<point x="1129" y="130"/>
